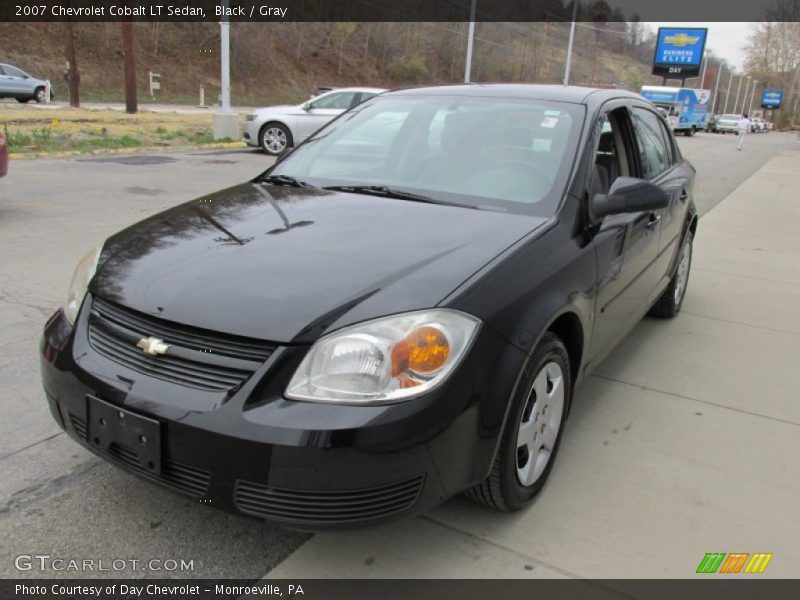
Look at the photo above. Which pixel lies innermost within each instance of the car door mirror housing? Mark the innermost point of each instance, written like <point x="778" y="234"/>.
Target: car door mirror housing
<point x="307" y="106"/>
<point x="627" y="195"/>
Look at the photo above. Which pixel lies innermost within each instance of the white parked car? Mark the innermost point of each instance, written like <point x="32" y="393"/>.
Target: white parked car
<point x="277" y="128"/>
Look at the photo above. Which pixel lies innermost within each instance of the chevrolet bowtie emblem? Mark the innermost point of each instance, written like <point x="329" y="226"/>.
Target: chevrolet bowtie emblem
<point x="152" y="346"/>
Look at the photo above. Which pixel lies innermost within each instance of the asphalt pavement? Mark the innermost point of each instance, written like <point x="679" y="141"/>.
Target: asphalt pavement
<point x="684" y="442"/>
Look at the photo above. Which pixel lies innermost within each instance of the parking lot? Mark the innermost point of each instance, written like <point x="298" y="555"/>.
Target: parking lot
<point x="685" y="441"/>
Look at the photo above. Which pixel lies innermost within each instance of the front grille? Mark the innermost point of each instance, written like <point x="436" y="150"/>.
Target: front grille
<point x="210" y="361"/>
<point x="326" y="507"/>
<point x="177" y="476"/>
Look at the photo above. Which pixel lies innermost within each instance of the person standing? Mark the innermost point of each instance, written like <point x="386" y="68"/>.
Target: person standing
<point x="744" y="129"/>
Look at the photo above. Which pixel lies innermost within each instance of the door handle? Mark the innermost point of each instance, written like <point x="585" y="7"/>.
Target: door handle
<point x="651" y="224"/>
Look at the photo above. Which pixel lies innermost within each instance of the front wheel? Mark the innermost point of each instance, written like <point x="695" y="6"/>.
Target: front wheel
<point x="275" y="138"/>
<point x="40" y="95"/>
<point x="670" y="302"/>
<point x="533" y="431"/>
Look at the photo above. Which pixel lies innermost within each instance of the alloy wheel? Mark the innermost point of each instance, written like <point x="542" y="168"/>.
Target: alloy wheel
<point x="682" y="274"/>
<point x="541" y="419"/>
<point x="275" y="140"/>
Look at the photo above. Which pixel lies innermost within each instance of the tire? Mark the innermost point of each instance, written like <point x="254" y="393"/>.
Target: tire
<point x="689" y="132"/>
<point x="40" y="95"/>
<point x="517" y="475"/>
<point x="24" y="100"/>
<point x="275" y="139"/>
<point x="670" y="302"/>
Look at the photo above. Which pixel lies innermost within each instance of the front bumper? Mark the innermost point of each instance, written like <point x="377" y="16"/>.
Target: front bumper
<point x="250" y="132"/>
<point x="300" y="464"/>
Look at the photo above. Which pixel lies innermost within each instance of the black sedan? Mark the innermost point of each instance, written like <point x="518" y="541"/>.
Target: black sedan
<point x="396" y="312"/>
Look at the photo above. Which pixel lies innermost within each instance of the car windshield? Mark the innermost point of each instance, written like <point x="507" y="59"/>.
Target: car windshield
<point x="489" y="153"/>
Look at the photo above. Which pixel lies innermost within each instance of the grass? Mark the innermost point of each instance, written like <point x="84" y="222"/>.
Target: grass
<point x="33" y="130"/>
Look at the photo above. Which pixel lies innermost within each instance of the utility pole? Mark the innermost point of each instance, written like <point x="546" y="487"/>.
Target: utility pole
<point x="129" y="56"/>
<point x="71" y="71"/>
<point x="470" y="41"/>
<point x="728" y="94"/>
<point x="571" y="40"/>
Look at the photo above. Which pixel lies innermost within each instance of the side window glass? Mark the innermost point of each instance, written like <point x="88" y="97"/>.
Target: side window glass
<point x="669" y="143"/>
<point x="653" y="153"/>
<point x="341" y="100"/>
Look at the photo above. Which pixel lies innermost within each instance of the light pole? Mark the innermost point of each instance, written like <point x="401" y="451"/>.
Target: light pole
<point x="744" y="96"/>
<point x="571" y="39"/>
<point x="738" y="89"/>
<point x="728" y="94"/>
<point x="703" y="72"/>
<point x="226" y="122"/>
<point x="716" y="89"/>
<point x="752" y="93"/>
<point x="470" y="39"/>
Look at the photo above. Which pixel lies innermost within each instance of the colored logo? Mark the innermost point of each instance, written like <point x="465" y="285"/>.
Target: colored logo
<point x="681" y="39"/>
<point x="735" y="562"/>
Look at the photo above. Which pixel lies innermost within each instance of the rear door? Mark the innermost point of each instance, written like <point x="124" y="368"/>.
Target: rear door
<point x="15" y="81"/>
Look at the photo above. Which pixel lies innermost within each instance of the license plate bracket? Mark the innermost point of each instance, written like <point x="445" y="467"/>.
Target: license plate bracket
<point x="133" y="439"/>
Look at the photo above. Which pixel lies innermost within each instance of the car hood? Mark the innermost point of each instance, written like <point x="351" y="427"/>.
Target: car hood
<point x="282" y="109"/>
<point x="287" y="264"/>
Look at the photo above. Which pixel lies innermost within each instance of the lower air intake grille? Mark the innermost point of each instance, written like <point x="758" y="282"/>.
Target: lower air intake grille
<point x="177" y="476"/>
<point x="326" y="507"/>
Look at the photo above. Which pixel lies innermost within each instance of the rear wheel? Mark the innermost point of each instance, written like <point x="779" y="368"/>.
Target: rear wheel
<point x="533" y="431"/>
<point x="24" y="100"/>
<point x="670" y="302"/>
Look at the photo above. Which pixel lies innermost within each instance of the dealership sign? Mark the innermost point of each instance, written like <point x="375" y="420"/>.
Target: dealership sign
<point x="679" y="52"/>
<point x="771" y="98"/>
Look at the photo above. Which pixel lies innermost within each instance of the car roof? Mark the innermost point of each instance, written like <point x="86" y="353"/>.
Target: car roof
<point x="355" y="89"/>
<point x="563" y="93"/>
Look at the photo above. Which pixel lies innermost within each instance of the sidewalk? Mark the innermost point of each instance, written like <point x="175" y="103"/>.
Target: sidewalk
<point x="686" y="441"/>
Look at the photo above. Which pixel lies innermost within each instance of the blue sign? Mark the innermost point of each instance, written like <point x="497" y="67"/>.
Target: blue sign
<point x="680" y="47"/>
<point x="771" y="98"/>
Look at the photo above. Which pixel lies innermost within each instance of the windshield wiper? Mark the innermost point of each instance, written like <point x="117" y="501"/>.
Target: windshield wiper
<point x="283" y="180"/>
<point x="385" y="192"/>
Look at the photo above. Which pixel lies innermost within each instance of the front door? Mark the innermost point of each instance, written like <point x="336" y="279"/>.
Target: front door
<point x="626" y="245"/>
<point x="321" y="110"/>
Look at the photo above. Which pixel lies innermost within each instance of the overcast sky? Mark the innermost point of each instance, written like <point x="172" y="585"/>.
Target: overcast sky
<point x="725" y="39"/>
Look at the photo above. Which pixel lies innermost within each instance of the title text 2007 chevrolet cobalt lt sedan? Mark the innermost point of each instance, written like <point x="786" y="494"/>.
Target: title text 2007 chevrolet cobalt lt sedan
<point x="396" y="312"/>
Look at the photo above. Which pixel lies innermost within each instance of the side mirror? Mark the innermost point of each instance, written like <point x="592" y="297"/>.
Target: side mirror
<point x="628" y="194"/>
<point x="307" y="106"/>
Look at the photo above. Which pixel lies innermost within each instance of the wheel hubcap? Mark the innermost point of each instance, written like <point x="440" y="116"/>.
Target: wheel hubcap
<point x="682" y="275"/>
<point x="540" y="422"/>
<point x="275" y="140"/>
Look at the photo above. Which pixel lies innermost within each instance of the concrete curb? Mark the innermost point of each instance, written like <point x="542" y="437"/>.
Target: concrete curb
<point x="101" y="152"/>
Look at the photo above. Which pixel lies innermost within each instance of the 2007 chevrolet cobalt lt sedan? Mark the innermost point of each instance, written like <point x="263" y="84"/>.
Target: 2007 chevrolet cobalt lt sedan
<point x="396" y="312"/>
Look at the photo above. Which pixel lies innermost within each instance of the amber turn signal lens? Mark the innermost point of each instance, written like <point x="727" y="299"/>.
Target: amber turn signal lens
<point x="424" y="351"/>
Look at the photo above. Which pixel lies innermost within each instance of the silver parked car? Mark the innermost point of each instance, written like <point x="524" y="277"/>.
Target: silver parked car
<point x="728" y="123"/>
<point x="16" y="83"/>
<point x="277" y="128"/>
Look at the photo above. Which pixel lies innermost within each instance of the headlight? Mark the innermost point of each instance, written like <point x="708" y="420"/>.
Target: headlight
<point x="250" y="117"/>
<point x="386" y="360"/>
<point x="84" y="272"/>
